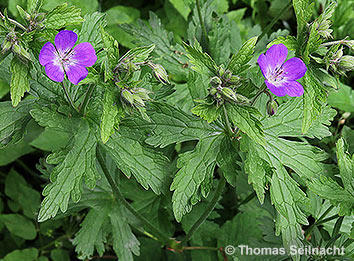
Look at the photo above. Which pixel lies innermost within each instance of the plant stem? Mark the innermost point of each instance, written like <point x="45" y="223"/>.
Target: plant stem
<point x="201" y="248"/>
<point x="68" y="97"/>
<point x="335" y="42"/>
<point x="275" y="20"/>
<point x="204" y="31"/>
<point x="87" y="98"/>
<point x="13" y="22"/>
<point x="120" y="198"/>
<point x="254" y="99"/>
<point x="207" y="211"/>
<point x="319" y="221"/>
<point x="228" y="125"/>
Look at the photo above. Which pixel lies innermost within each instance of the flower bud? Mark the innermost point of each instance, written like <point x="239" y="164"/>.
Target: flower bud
<point x="128" y="96"/>
<point x="228" y="93"/>
<point x="138" y="100"/>
<point x="346" y="63"/>
<point x="213" y="91"/>
<point x="159" y="72"/>
<point x="6" y="46"/>
<point x="350" y="44"/>
<point x="242" y="99"/>
<point x="142" y="93"/>
<point x="346" y="115"/>
<point x="21" y="51"/>
<point x="227" y="75"/>
<point x="235" y="79"/>
<point x="272" y="107"/>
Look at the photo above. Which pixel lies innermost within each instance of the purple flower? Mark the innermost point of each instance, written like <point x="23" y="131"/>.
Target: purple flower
<point x="63" y="58"/>
<point x="281" y="77"/>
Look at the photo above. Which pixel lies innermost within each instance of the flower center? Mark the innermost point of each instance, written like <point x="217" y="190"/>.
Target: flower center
<point x="276" y="76"/>
<point x="65" y="58"/>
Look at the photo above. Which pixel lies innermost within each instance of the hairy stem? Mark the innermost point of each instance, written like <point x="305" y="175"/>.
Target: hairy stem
<point x="120" y="198"/>
<point x="68" y="97"/>
<point x="207" y="211"/>
<point x="275" y="20"/>
<point x="87" y="98"/>
<point x="13" y="22"/>
<point x="227" y="121"/>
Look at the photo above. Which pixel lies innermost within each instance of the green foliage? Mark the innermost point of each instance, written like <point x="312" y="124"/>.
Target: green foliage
<point x="164" y="150"/>
<point x="239" y="61"/>
<point x="79" y="161"/>
<point x="194" y="179"/>
<point x="19" y="80"/>
<point x="62" y="16"/>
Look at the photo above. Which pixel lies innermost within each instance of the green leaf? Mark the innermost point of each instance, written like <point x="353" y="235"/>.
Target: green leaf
<point x="20" y="192"/>
<point x="66" y="178"/>
<point x="19" y="226"/>
<point x="147" y="165"/>
<point x="13" y="121"/>
<point x="19" y="80"/>
<point x="90" y="235"/>
<point x="90" y="29"/>
<point x="245" y="118"/>
<point x="202" y="62"/>
<point x="303" y="11"/>
<point x="346" y="166"/>
<point x="110" y="112"/>
<point x="62" y="16"/>
<point x="120" y="14"/>
<point x="138" y="54"/>
<point x="315" y="98"/>
<point x="125" y="243"/>
<point x="208" y="112"/>
<point x="28" y="254"/>
<point x="171" y="125"/>
<point x="287" y="121"/>
<point x="239" y="61"/>
<point x="229" y="161"/>
<point x="51" y="140"/>
<point x="51" y="119"/>
<point x="34" y="6"/>
<point x="59" y="255"/>
<point x="194" y="179"/>
<point x="289" y="41"/>
<point x="111" y="51"/>
<point x="182" y="7"/>
<point x="257" y="169"/>
<point x="343" y="99"/>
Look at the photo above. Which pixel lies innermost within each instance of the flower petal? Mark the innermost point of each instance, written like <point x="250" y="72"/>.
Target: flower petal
<point x="76" y="73"/>
<point x="84" y="54"/>
<point x="47" y="54"/>
<point x="293" y="88"/>
<point x="65" y="40"/>
<point x="54" y="72"/>
<point x="276" y="55"/>
<point x="276" y="90"/>
<point x="294" y="69"/>
<point x="263" y="64"/>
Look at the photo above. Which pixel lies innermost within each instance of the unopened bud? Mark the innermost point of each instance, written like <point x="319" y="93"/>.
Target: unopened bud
<point x="272" y="107"/>
<point x="346" y="63"/>
<point x="235" y="79"/>
<point x="213" y="91"/>
<point x="215" y="81"/>
<point x="18" y="49"/>
<point x="350" y="44"/>
<point x="142" y="93"/>
<point x="138" y="100"/>
<point x="128" y="96"/>
<point x="242" y="99"/>
<point x="6" y="45"/>
<point x="346" y="115"/>
<point x="228" y="93"/>
<point x="159" y="72"/>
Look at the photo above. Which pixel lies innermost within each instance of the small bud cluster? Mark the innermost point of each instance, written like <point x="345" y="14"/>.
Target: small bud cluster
<point x="223" y="87"/>
<point x="136" y="96"/>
